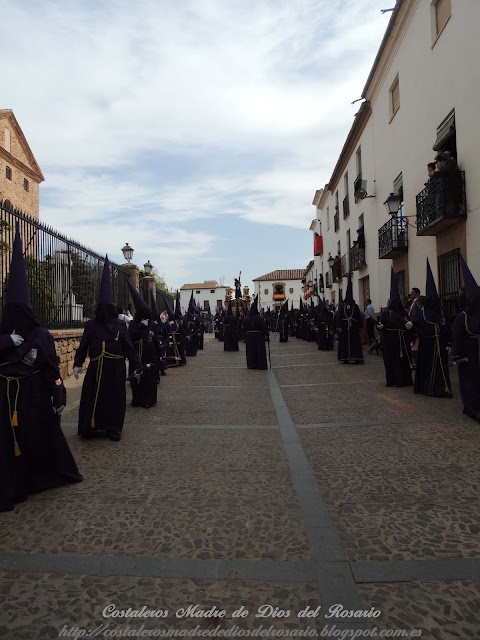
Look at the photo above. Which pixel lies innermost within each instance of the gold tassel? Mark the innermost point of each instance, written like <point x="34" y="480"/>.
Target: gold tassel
<point x="16" y="448"/>
<point x="14" y="420"/>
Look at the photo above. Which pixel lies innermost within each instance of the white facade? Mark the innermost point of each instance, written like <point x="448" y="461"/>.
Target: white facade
<point x="290" y="279"/>
<point x="425" y="71"/>
<point x="206" y="294"/>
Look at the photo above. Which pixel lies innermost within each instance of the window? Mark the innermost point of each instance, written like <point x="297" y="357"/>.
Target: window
<point x="212" y="290"/>
<point x="345" y="183"/>
<point x="219" y="303"/>
<point x="197" y="291"/>
<point x="398" y="191"/>
<point x="25" y="184"/>
<point x="328" y="218"/>
<point x="339" y="252"/>
<point x="8" y="173"/>
<point x="442" y="11"/>
<point x="291" y="289"/>
<point x="7" y="140"/>
<point x="358" y="156"/>
<point x="394" y="98"/>
<point x="336" y="200"/>
<point x="265" y="291"/>
<point x="206" y="305"/>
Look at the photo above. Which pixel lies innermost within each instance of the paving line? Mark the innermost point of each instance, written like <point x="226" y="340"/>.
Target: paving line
<point x="381" y="421"/>
<point x="178" y="427"/>
<point x="334" y="575"/>
<point x="326" y="384"/>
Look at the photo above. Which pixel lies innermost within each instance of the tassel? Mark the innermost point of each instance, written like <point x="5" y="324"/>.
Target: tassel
<point x="92" y="423"/>
<point x="14" y="420"/>
<point x="16" y="448"/>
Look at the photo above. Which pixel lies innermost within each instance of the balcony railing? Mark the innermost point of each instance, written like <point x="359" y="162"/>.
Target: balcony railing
<point x="393" y="238"/>
<point x="345" y="269"/>
<point x="441" y="204"/>
<point x="357" y="257"/>
<point x="336" y="220"/>
<point x="328" y="280"/>
<point x="346" y="207"/>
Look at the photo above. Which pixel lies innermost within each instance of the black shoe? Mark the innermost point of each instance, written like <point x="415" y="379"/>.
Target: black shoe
<point x="114" y="435"/>
<point x="163" y="373"/>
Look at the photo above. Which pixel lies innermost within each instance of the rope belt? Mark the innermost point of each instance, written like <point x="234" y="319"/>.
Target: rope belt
<point x="100" y="358"/>
<point x="401" y="338"/>
<point x="13" y="415"/>
<point x="254" y="331"/>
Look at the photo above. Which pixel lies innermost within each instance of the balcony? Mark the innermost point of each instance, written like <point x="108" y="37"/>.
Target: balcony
<point x="336" y="219"/>
<point x="357" y="257"/>
<point x="328" y="281"/>
<point x="393" y="238"/>
<point x="345" y="268"/>
<point x="441" y="204"/>
<point x="346" y="207"/>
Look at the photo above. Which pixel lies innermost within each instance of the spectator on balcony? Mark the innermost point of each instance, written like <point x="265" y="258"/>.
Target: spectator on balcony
<point x="451" y="176"/>
<point x="431" y="169"/>
<point x="360" y="241"/>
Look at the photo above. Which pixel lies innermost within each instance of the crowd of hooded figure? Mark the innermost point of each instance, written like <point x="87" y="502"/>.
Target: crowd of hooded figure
<point x="34" y="452"/>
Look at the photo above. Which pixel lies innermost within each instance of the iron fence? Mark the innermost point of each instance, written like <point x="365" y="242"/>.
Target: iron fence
<point x="393" y="237"/>
<point x="64" y="276"/>
<point x="442" y="202"/>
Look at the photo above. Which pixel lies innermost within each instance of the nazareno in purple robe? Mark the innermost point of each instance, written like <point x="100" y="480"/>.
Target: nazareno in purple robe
<point x="145" y="341"/>
<point x="396" y="347"/>
<point x="43" y="459"/>
<point x="466" y="352"/>
<point x="256" y="333"/>
<point x="349" y="319"/>
<point x="103" y="400"/>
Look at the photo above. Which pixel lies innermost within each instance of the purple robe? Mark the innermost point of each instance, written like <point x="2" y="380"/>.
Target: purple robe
<point x="145" y="341"/>
<point x="256" y="333"/>
<point x="350" y="321"/>
<point x="432" y="376"/>
<point x="325" y="330"/>
<point x="397" y="351"/>
<point x="44" y="459"/>
<point x="103" y="400"/>
<point x="466" y="344"/>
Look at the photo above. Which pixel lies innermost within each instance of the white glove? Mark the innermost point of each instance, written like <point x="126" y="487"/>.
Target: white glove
<point x="408" y="325"/>
<point x="60" y="409"/>
<point x="145" y="322"/>
<point x="77" y="370"/>
<point x="379" y="325"/>
<point x="17" y="340"/>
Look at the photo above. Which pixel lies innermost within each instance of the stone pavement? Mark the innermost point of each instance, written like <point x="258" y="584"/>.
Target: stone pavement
<point x="311" y="484"/>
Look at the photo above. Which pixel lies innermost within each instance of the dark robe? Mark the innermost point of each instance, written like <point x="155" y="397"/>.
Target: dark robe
<point x="144" y="390"/>
<point x="466" y="344"/>
<point x="325" y="330"/>
<point x="201" y="331"/>
<point x="191" y="340"/>
<point x="230" y="336"/>
<point x="283" y="327"/>
<point x="161" y="332"/>
<point x="298" y="325"/>
<point x="349" y="319"/>
<point x="291" y="324"/>
<point x="396" y="348"/>
<point x="432" y="376"/>
<point x="256" y="334"/>
<point x="45" y="460"/>
<point x="103" y="400"/>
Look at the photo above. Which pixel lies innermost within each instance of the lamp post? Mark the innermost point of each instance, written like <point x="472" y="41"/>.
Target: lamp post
<point x="148" y="268"/>
<point x="330" y="261"/>
<point x="127" y="252"/>
<point x="392" y="204"/>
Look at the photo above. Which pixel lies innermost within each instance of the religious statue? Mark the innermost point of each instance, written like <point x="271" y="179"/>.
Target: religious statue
<point x="238" y="287"/>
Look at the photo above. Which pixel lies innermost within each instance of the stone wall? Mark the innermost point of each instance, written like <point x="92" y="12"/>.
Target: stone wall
<point x="66" y="343"/>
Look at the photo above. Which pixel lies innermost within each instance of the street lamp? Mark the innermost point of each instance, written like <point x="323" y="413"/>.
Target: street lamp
<point x="127" y="252"/>
<point x="148" y="268"/>
<point x="392" y="204"/>
<point x="331" y="261"/>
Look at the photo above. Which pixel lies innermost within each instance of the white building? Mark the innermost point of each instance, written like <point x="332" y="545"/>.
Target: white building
<point x="277" y="286"/>
<point x="421" y="97"/>
<point x="208" y="295"/>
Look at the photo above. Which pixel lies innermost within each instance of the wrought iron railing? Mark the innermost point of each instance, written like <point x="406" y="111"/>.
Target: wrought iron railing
<point x="393" y="237"/>
<point x="64" y="276"/>
<point x="357" y="257"/>
<point x="442" y="199"/>
<point x="345" y="269"/>
<point x="346" y="207"/>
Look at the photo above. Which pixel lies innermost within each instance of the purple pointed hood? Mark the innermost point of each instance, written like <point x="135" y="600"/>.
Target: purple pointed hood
<point x="18" y="291"/>
<point x="395" y="302"/>
<point x="105" y="293"/>
<point x="178" y="306"/>
<point x="472" y="290"/>
<point x="139" y="302"/>
<point x="171" y="314"/>
<point x="153" y="303"/>
<point x="254" y="307"/>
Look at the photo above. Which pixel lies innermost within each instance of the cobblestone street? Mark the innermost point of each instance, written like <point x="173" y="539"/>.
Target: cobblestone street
<point x="311" y="484"/>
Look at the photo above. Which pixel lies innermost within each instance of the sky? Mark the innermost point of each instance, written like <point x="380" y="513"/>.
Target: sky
<point x="195" y="130"/>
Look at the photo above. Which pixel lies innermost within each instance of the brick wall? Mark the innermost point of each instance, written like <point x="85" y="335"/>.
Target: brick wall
<point x="66" y="343"/>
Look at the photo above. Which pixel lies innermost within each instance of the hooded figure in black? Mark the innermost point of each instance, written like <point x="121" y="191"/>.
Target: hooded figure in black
<point x="291" y="322"/>
<point x="145" y="340"/>
<point x="466" y="346"/>
<point x="283" y="327"/>
<point x="230" y="338"/>
<point x="219" y="323"/>
<point x="325" y="327"/>
<point x="396" y="340"/>
<point x="161" y="332"/>
<point x="106" y="342"/>
<point x="299" y="321"/>
<point x="432" y="377"/>
<point x="348" y="322"/>
<point x="34" y="454"/>
<point x="173" y="356"/>
<point x="256" y="335"/>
